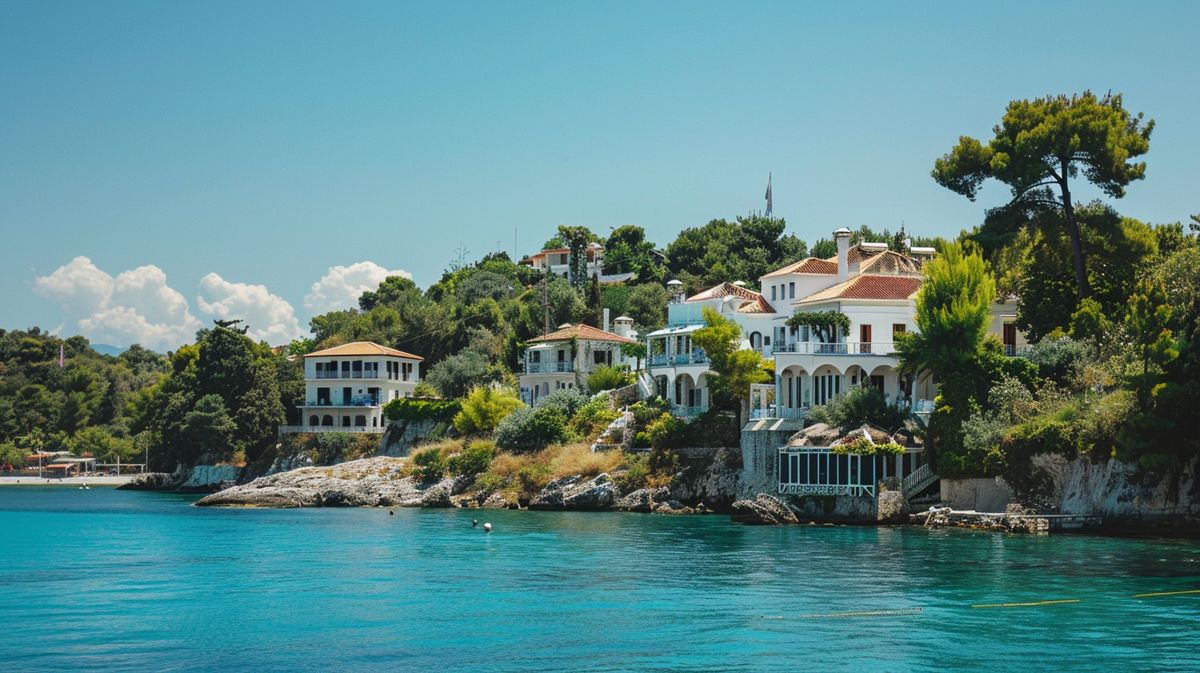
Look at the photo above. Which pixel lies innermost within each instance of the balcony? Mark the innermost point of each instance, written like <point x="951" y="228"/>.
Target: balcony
<point x="773" y="412"/>
<point x="357" y="429"/>
<point x="1014" y="351"/>
<point x="357" y="401"/>
<point x="696" y="357"/>
<point x="347" y="375"/>
<point x="549" y="367"/>
<point x="687" y="412"/>
<point x="844" y="348"/>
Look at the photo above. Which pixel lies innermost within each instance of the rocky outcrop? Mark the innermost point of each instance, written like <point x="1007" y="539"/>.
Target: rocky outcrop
<point x="643" y="500"/>
<point x="369" y="482"/>
<point x="572" y="493"/>
<point x="762" y="510"/>
<point x="709" y="478"/>
<point x="206" y="478"/>
<point x="149" y="481"/>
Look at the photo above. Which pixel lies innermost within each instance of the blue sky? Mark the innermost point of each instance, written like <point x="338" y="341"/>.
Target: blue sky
<point x="223" y="157"/>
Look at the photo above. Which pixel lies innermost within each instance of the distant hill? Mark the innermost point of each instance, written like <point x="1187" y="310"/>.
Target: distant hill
<point x="108" y="349"/>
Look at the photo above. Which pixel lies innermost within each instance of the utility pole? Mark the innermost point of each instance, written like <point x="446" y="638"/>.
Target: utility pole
<point x="545" y="305"/>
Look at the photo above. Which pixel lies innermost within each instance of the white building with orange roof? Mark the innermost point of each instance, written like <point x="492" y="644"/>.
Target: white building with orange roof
<point x="346" y="386"/>
<point x="875" y="289"/>
<point x="565" y="357"/>
<point x="679" y="370"/>
<point x="558" y="260"/>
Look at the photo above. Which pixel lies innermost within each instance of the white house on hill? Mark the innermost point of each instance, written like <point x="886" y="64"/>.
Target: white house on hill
<point x="345" y="387"/>
<point x="565" y="357"/>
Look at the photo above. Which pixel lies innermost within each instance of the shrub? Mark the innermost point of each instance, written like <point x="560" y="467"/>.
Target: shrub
<point x="579" y="459"/>
<point x="593" y="417"/>
<point x="475" y="458"/>
<point x="566" y="400"/>
<point x="456" y="374"/>
<point x="526" y="430"/>
<point x="608" y="378"/>
<point x="865" y="447"/>
<point x="484" y="408"/>
<point x="412" y="409"/>
<point x="667" y="432"/>
<point x="1059" y="359"/>
<point x="861" y="404"/>
<point x="637" y="469"/>
<point x="429" y="463"/>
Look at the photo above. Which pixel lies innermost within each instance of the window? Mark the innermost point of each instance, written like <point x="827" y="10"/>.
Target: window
<point x="602" y="357"/>
<point x="791" y="290"/>
<point x="535" y="356"/>
<point x="898" y="328"/>
<point x="773" y="297"/>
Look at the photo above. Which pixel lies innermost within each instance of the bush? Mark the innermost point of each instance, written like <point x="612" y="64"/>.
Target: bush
<point x="526" y="430"/>
<point x="475" y="458"/>
<point x="593" y="417"/>
<point x="455" y="375"/>
<point x="861" y="404"/>
<point x="566" y="400"/>
<point x="637" y="469"/>
<point x="412" y="409"/>
<point x="429" y="464"/>
<point x="484" y="408"/>
<point x="1059" y="359"/>
<point x="608" y="378"/>
<point x="667" y="432"/>
<point x="579" y="459"/>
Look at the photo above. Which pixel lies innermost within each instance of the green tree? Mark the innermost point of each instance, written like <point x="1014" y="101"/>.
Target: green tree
<point x="647" y="305"/>
<point x="628" y="251"/>
<point x="576" y="240"/>
<point x="483" y="409"/>
<point x="1045" y="143"/>
<point x="735" y="369"/>
<point x="1148" y="323"/>
<point x="208" y="429"/>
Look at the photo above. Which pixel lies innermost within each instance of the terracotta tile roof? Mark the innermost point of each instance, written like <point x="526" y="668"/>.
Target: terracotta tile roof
<point x="807" y="265"/>
<point x="884" y="261"/>
<point x="362" y="348"/>
<point x="869" y="286"/>
<point x="582" y="332"/>
<point x="758" y="306"/>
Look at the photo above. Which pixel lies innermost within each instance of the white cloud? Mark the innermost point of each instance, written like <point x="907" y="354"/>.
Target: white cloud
<point x="270" y="317"/>
<point x="341" y="286"/>
<point x="135" y="307"/>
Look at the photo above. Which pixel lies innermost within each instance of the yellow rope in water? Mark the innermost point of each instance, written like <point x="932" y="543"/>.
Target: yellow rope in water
<point x="1168" y="593"/>
<point x="1026" y="605"/>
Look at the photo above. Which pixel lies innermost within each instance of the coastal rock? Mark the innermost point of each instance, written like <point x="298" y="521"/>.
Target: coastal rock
<point x="763" y="509"/>
<point x="892" y="508"/>
<point x="642" y="500"/>
<point x="711" y="476"/>
<point x="499" y="501"/>
<point x="571" y="493"/>
<point x="369" y="482"/>
<point x="203" y="478"/>
<point x="672" y="507"/>
<point x="150" y="481"/>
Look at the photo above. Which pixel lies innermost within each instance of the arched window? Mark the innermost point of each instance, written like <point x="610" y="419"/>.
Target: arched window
<point x="360" y="421"/>
<point x="327" y="420"/>
<point x="314" y="420"/>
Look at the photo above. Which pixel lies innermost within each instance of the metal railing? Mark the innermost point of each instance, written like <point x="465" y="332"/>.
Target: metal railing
<point x="917" y="480"/>
<point x="797" y="413"/>
<point x="843" y="348"/>
<point x="548" y="367"/>
<point x="687" y="412"/>
<point x="1015" y="351"/>
<point x="696" y="357"/>
<point x="347" y="375"/>
<point x="354" y="402"/>
<point x="293" y="429"/>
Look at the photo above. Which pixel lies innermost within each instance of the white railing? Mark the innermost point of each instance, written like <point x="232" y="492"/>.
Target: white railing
<point x="819" y="471"/>
<point x="917" y="480"/>
<point x="1014" y="351"/>
<point x="796" y="413"/>
<point x="687" y="412"/>
<point x="293" y="429"/>
<point x="549" y="367"/>
<point x="843" y="348"/>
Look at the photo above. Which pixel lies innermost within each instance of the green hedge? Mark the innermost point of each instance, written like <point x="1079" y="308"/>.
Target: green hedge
<point x="412" y="409"/>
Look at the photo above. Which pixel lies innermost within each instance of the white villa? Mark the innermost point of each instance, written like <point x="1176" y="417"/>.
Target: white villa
<point x="558" y="260"/>
<point x="565" y="357"/>
<point x="680" y="371"/>
<point x="874" y="287"/>
<point x="346" y="387"/>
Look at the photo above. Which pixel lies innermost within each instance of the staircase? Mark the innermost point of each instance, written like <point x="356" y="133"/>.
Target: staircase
<point x="918" y="480"/>
<point x="618" y="434"/>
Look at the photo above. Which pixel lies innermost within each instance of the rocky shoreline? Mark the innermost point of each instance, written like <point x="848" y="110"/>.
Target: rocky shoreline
<point x="383" y="482"/>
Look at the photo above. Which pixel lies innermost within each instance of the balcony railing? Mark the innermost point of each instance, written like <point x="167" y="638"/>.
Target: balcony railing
<point x="687" y="412"/>
<point x="549" y="367"/>
<point x="1014" y="351"/>
<point x="293" y="429"/>
<point x="797" y="413"/>
<point x="843" y="348"/>
<point x="363" y="401"/>
<point x="347" y="375"/>
<point x="696" y="357"/>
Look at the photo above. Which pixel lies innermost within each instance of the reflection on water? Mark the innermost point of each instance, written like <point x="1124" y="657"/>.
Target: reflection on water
<point x="109" y="580"/>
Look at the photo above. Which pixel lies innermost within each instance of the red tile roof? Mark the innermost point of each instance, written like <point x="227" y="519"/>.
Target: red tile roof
<point x="583" y="332"/>
<point x="807" y="265"/>
<point x="362" y="348"/>
<point x="870" y="286"/>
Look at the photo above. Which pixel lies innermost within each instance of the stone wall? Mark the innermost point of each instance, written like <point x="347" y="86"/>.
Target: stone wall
<point x="760" y="451"/>
<point x="980" y="495"/>
<point x="402" y="436"/>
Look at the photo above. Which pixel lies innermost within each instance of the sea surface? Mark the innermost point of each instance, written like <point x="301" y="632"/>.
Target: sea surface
<point x="106" y="580"/>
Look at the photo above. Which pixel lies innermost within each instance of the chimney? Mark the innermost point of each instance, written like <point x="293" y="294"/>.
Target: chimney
<point x="606" y="320"/>
<point x="842" y="238"/>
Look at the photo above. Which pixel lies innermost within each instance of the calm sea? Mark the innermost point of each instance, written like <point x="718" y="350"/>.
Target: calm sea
<point x="106" y="580"/>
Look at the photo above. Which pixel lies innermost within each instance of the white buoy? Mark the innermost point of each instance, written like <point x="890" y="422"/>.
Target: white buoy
<point x="487" y="527"/>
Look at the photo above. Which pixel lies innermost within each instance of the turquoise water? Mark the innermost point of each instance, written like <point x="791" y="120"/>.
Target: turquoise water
<point x="106" y="580"/>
